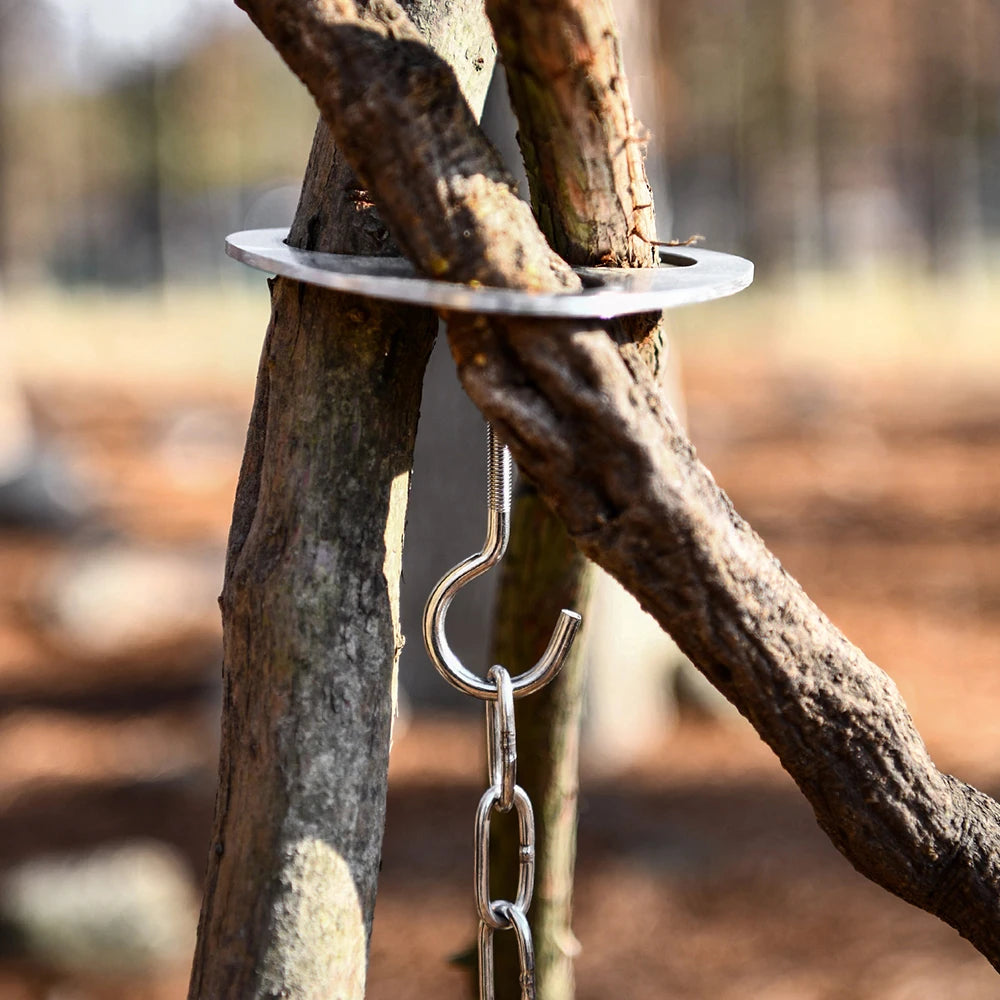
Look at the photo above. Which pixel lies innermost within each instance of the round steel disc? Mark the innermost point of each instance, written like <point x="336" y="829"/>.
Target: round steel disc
<point x="685" y="275"/>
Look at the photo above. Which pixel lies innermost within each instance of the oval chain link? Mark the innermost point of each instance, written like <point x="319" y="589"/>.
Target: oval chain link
<point x="488" y="908"/>
<point x="501" y="739"/>
<point x="525" y="952"/>
<point x="503" y="795"/>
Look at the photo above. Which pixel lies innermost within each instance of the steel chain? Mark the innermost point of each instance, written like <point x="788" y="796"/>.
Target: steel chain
<point x="498" y="690"/>
<point x="503" y="795"/>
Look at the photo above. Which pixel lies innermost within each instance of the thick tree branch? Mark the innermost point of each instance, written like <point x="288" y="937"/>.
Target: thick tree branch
<point x="593" y="431"/>
<point x="580" y="140"/>
<point x="590" y="427"/>
<point x="310" y="606"/>
<point x="588" y="180"/>
<point x="426" y="159"/>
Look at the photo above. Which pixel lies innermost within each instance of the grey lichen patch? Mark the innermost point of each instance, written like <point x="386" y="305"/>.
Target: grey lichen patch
<point x="318" y="945"/>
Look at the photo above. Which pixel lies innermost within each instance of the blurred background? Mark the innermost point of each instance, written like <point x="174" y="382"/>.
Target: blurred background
<point x="849" y="402"/>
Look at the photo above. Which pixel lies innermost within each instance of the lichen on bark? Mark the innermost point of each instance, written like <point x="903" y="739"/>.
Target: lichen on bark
<point x="310" y="603"/>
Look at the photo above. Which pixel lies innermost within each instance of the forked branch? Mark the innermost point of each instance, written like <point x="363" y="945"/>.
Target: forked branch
<point x="588" y="424"/>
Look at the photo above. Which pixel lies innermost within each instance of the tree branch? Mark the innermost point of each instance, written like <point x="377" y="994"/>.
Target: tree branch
<point x="588" y="179"/>
<point x="427" y="160"/>
<point x="592" y="430"/>
<point x="589" y="426"/>
<point x="310" y="607"/>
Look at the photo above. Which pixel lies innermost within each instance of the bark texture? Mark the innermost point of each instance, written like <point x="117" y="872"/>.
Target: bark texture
<point x="310" y="605"/>
<point x="426" y="161"/>
<point x="593" y="431"/>
<point x="589" y="425"/>
<point x="590" y="197"/>
<point x="582" y="147"/>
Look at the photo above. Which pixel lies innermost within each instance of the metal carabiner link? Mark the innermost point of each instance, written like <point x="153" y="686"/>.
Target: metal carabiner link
<point x="447" y="664"/>
<point x="525" y="950"/>
<point x="501" y="739"/>
<point x="489" y="909"/>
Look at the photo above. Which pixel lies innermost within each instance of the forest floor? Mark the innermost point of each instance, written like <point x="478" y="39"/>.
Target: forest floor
<point x="702" y="874"/>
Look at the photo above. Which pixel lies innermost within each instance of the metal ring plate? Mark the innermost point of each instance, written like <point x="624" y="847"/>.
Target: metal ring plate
<point x="686" y="275"/>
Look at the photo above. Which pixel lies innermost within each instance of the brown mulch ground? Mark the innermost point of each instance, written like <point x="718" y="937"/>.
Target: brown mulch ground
<point x="702" y="873"/>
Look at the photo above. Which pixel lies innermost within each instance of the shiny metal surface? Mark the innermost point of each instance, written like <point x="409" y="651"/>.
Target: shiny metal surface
<point x="498" y="690"/>
<point x="502" y="914"/>
<point x="501" y="741"/>
<point x="489" y="911"/>
<point x="686" y="275"/>
<point x="525" y="953"/>
<point x="440" y="652"/>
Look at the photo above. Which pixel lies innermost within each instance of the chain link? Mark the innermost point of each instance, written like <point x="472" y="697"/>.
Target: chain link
<point x="525" y="950"/>
<point x="504" y="794"/>
<point x="501" y="740"/>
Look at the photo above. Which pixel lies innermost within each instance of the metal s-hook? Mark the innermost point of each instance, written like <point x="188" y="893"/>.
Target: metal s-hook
<point x="447" y="664"/>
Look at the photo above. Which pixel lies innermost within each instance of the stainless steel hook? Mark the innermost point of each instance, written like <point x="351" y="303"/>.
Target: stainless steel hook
<point x="447" y="664"/>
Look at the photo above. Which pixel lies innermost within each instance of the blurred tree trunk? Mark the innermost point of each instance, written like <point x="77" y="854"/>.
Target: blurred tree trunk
<point x="310" y="602"/>
<point x="949" y="89"/>
<point x="143" y="107"/>
<point x="8" y="11"/>
<point x="803" y="150"/>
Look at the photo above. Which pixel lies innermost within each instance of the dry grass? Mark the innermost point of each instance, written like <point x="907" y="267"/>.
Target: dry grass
<point x="203" y="336"/>
<point x="876" y="319"/>
<point x="888" y="318"/>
